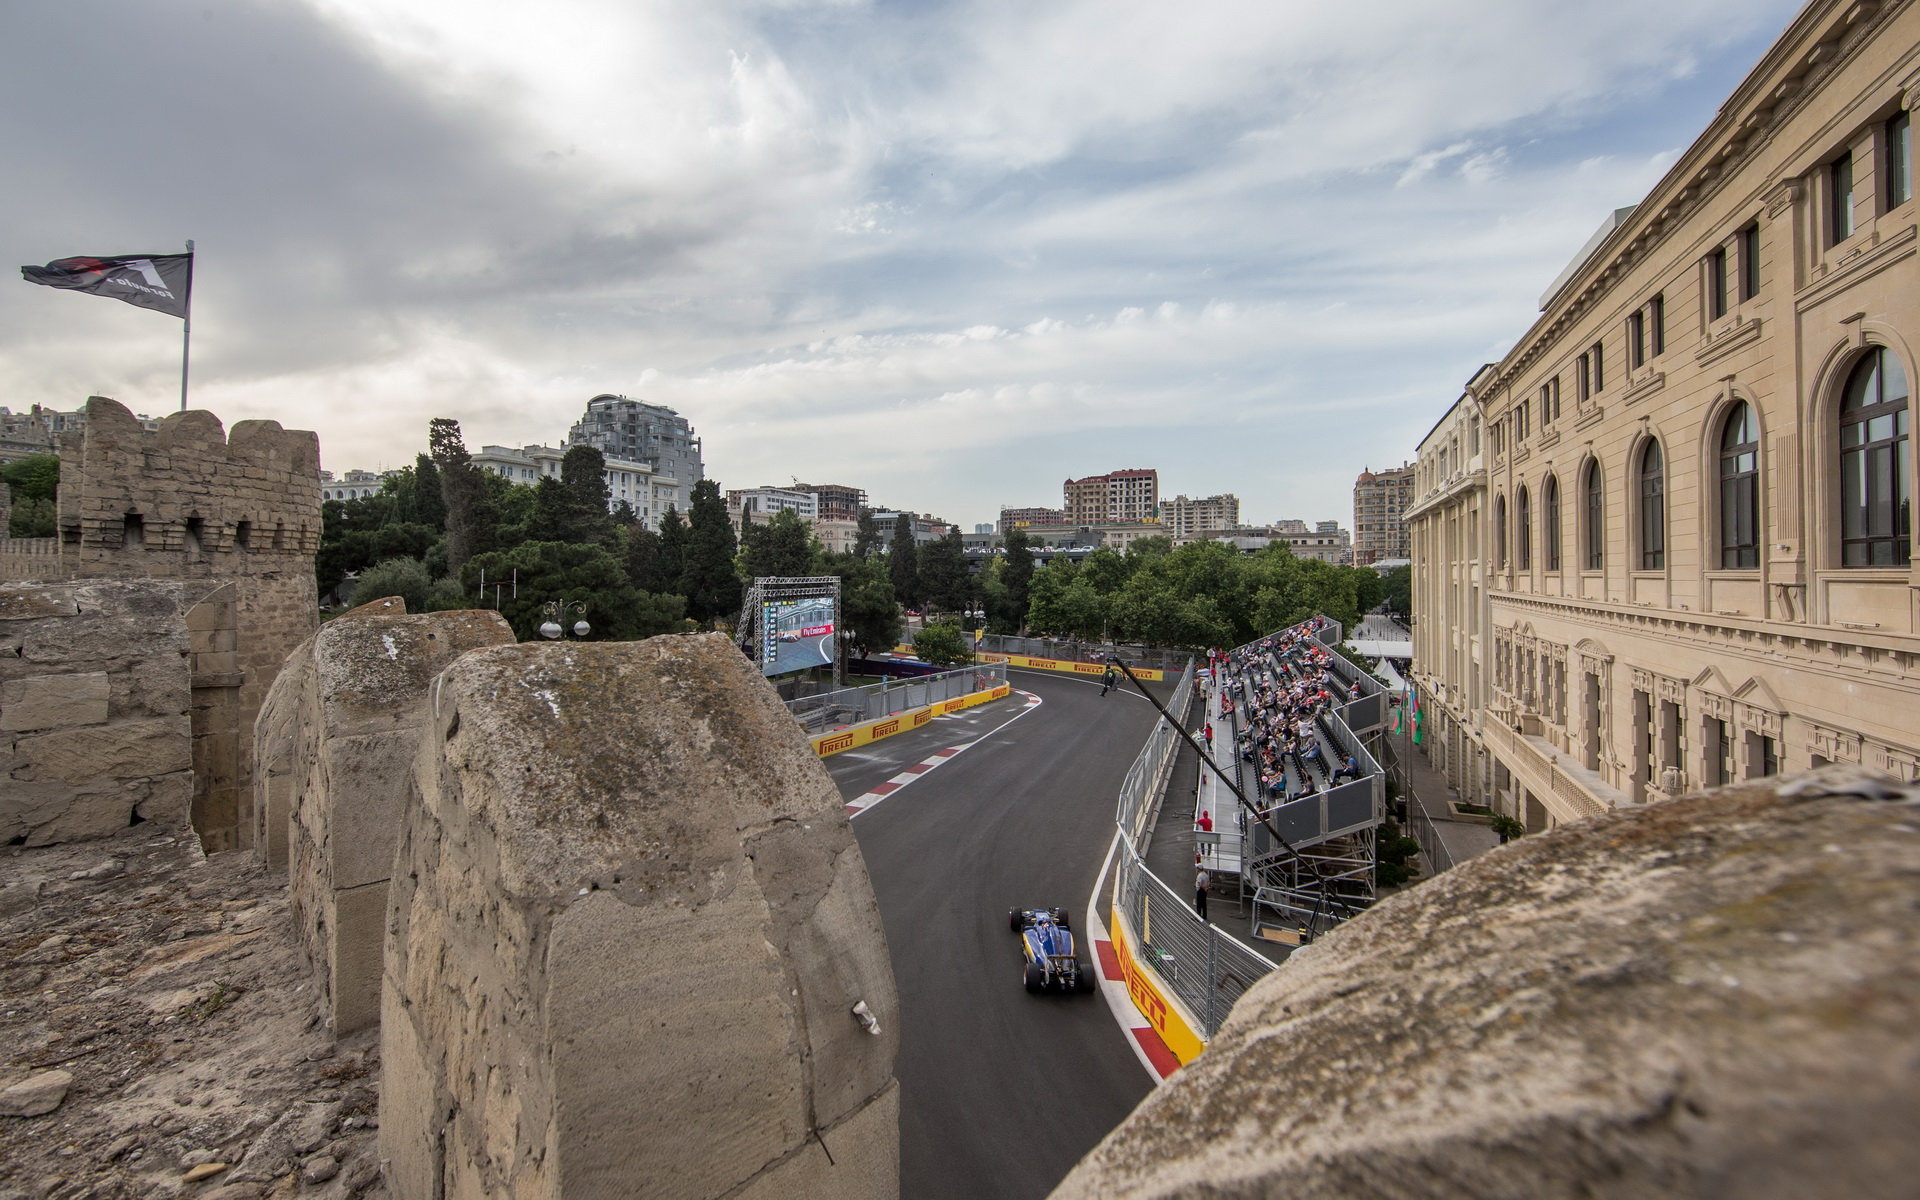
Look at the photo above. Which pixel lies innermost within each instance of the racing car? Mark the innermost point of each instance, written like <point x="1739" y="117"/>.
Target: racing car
<point x="1046" y="946"/>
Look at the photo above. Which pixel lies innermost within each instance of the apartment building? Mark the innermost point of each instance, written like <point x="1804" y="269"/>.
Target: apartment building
<point x="1010" y="517"/>
<point x="834" y="501"/>
<point x="653" y="435"/>
<point x="1665" y="543"/>
<point x="1379" y="499"/>
<point x="646" y="493"/>
<point x="1117" y="497"/>
<point x="1183" y="517"/>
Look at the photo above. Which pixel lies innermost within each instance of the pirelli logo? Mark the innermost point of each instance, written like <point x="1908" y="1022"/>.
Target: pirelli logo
<point x="886" y="728"/>
<point x="1142" y="992"/>
<point x="834" y="744"/>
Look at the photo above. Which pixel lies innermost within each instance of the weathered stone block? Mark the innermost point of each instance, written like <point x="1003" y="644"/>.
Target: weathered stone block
<point x="619" y="851"/>
<point x="54" y="701"/>
<point x="129" y="748"/>
<point x="1712" y="996"/>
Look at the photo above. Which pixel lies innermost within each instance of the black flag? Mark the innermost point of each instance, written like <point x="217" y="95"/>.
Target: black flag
<point x="162" y="282"/>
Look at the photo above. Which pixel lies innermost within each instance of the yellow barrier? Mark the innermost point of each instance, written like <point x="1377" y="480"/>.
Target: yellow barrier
<point x="900" y="722"/>
<point x="1162" y="1009"/>
<point x="1077" y="668"/>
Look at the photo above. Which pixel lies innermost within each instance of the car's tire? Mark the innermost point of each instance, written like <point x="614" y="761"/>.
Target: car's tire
<point x="1083" y="980"/>
<point x="1060" y="918"/>
<point x="1013" y="919"/>
<point x="1036" y="977"/>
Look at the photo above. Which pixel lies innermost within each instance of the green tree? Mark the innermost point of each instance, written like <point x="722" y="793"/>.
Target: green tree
<point x="429" y="504"/>
<point x="34" y="484"/>
<point x="942" y="644"/>
<point x="1016" y="576"/>
<point x="552" y="519"/>
<point x="903" y="562"/>
<point x="943" y="573"/>
<point x="781" y="547"/>
<point x="583" y="472"/>
<point x="673" y="551"/>
<point x="707" y="576"/>
<point x="1398" y="595"/>
<point x="869" y="616"/>
<point x="574" y="572"/>
<point x="472" y="518"/>
<point x="643" y="559"/>
<point x="35" y="477"/>
<point x="403" y="577"/>
<point x="866" y="535"/>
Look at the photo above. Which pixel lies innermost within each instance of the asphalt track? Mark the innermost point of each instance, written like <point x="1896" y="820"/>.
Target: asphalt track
<point x="1001" y="1091"/>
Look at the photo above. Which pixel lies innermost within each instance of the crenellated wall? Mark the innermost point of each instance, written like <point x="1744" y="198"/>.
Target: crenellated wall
<point x="190" y="501"/>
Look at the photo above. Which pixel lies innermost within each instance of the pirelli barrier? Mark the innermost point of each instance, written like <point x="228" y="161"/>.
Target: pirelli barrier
<point x="1070" y="667"/>
<point x="1158" y="1003"/>
<point x="872" y="731"/>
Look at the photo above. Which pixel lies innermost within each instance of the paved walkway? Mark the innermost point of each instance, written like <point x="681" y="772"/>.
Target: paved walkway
<point x="1430" y="791"/>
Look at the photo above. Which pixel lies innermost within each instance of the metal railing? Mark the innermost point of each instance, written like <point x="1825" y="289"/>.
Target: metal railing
<point x="1079" y="650"/>
<point x="851" y="706"/>
<point x="1207" y="969"/>
<point x="1432" y="848"/>
<point x="1145" y="783"/>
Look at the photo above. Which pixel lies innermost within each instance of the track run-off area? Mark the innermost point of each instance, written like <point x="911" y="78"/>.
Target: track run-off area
<point x="1008" y="805"/>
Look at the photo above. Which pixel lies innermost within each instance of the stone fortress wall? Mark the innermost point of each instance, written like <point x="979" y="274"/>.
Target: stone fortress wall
<point x="236" y="516"/>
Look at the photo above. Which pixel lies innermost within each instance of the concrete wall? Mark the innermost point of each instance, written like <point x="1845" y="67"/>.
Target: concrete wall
<point x="94" y="699"/>
<point x="1709" y="997"/>
<point x="628" y="930"/>
<point x="335" y="744"/>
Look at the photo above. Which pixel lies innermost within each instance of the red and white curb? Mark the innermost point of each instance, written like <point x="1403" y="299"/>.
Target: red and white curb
<point x="1152" y="1052"/>
<point x="881" y="791"/>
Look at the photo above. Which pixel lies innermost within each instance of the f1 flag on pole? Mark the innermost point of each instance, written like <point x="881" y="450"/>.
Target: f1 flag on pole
<point x="162" y="282"/>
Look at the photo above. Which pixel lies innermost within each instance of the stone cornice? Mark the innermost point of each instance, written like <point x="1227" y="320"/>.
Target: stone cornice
<point x="1745" y="637"/>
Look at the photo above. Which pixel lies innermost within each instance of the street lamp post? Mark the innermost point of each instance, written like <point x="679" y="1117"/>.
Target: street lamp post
<point x="557" y="611"/>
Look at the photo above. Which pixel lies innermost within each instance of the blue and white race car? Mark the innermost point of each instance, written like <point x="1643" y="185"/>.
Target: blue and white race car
<point x="1046" y="946"/>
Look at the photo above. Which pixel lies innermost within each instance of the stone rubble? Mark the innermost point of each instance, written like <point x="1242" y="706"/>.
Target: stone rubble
<point x="163" y="991"/>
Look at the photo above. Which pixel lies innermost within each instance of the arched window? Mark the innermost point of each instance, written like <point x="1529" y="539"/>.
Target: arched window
<point x="1550" y="521"/>
<point x="1653" y="508"/>
<point x="1876" y="524"/>
<point x="1523" y="530"/>
<point x="1500" y="532"/>
<point x="1740" y="490"/>
<point x="1596" y="504"/>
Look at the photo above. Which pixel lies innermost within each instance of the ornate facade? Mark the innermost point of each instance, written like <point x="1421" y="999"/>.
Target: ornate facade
<point x="1688" y="505"/>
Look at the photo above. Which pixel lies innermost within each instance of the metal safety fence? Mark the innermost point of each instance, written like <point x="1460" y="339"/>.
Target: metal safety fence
<point x="1145" y="783"/>
<point x="870" y="702"/>
<point x="1207" y="969"/>
<point x="1077" y="650"/>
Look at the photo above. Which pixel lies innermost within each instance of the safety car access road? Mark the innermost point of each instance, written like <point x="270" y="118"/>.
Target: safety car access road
<point x="1001" y="1092"/>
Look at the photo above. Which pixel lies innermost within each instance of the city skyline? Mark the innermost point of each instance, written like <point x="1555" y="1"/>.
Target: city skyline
<point x="903" y="245"/>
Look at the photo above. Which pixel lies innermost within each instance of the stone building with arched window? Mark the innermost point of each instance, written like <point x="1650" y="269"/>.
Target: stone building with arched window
<point x="1693" y="476"/>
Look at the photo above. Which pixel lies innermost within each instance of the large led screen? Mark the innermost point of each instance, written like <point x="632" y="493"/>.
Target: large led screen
<point x="797" y="634"/>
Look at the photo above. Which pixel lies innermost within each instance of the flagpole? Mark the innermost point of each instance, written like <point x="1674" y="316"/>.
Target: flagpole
<point x="186" y="329"/>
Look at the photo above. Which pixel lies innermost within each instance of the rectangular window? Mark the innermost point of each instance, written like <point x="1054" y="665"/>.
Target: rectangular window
<point x="1716" y="284"/>
<point x="1657" y="326"/>
<point x="1750" y="262"/>
<point x="1636" y="341"/>
<point x="1524" y="428"/>
<point x="1899" y="160"/>
<point x="1599" y="369"/>
<point x="1840" y="199"/>
<point x="1584" y="380"/>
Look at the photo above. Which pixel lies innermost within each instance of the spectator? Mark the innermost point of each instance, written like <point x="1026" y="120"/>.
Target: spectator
<point x="1200" y="885"/>
<point x="1349" y="769"/>
<point x="1205" y="823"/>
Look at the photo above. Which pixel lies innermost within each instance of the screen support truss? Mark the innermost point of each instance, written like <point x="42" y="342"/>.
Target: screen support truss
<point x="772" y="589"/>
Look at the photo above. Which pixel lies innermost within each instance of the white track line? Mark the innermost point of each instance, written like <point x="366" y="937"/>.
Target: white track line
<point x="860" y="804"/>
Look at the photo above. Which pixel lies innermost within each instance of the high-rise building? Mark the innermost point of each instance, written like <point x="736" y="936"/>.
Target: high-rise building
<point x="652" y="434"/>
<point x="1185" y="518"/>
<point x="1665" y="542"/>
<point x="1379" y="497"/>
<point x="1117" y="496"/>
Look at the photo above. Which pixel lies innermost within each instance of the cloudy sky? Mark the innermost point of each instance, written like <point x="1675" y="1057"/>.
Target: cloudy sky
<point x="951" y="251"/>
